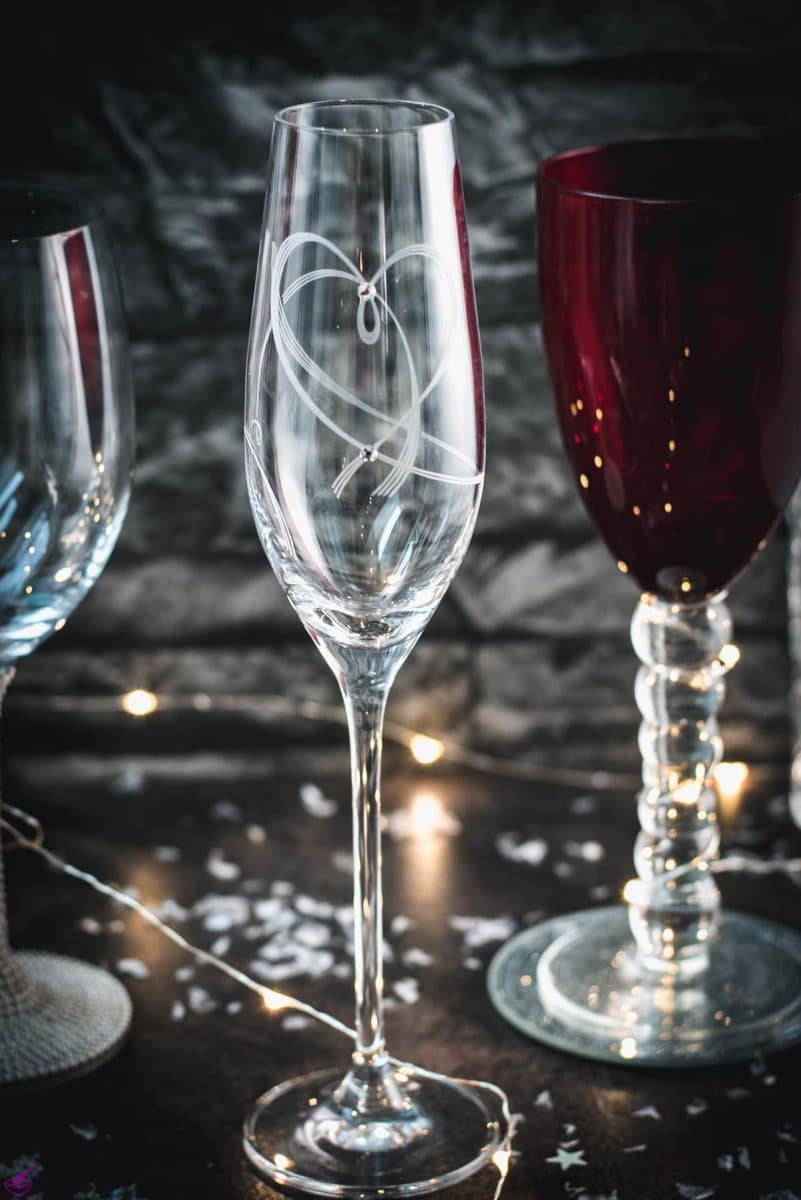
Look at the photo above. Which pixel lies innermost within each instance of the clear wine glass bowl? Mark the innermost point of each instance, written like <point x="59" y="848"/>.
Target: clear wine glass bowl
<point x="66" y="454"/>
<point x="670" y="275"/>
<point x="364" y="450"/>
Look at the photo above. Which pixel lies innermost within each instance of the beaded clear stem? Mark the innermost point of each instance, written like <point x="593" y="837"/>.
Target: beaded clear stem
<point x="668" y="980"/>
<point x="364" y="450"/>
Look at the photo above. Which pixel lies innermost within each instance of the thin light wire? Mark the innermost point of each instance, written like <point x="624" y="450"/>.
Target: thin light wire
<point x="313" y="710"/>
<point x="273" y="1000"/>
<point x="756" y="866"/>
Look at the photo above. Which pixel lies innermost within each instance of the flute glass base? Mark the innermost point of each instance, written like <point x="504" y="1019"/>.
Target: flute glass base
<point x="69" y="1019"/>
<point x="299" y="1136"/>
<point x="574" y="983"/>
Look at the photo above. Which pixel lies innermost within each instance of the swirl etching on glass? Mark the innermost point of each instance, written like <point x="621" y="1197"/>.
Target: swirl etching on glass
<point x="370" y="305"/>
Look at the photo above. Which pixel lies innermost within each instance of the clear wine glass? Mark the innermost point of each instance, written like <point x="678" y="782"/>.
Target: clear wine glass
<point x="66" y="453"/>
<point x="364" y="437"/>
<point x="670" y="273"/>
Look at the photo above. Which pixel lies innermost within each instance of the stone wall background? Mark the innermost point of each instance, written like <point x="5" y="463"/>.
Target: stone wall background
<point x="169" y="125"/>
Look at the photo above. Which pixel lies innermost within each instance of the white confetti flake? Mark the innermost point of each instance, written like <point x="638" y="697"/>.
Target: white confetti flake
<point x="218" y="866"/>
<point x="87" y="1132"/>
<point x="473" y="964"/>
<point x="480" y="931"/>
<point x="567" y="1158"/>
<point x="563" y="870"/>
<point x="312" y="934"/>
<point x="90" y="925"/>
<point x="200" y="1001"/>
<point x="178" y="1011"/>
<point x="582" y="805"/>
<point x="316" y="803"/>
<point x="185" y="973"/>
<point x="601" y="892"/>
<point x="415" y="957"/>
<point x="133" y="967"/>
<point x="635" y="1149"/>
<point x="221" y="946"/>
<point x="256" y="835"/>
<point x="129" y="782"/>
<point x="696" y="1107"/>
<point x="233" y="1007"/>
<point x="407" y="990"/>
<point x="226" y="810"/>
<point x="648" y="1111"/>
<point x="758" y="1066"/>
<point x="277" y="963"/>
<point x="544" y="1100"/>
<point x="282" y="887"/>
<point x="221" y="913"/>
<point x="166" y="854"/>
<point x="307" y="906"/>
<point x="589" y="851"/>
<point x="400" y="925"/>
<point x="510" y="847"/>
<point x="171" y="910"/>
<point x="693" y="1191"/>
<point x="342" y="861"/>
<point x="268" y="909"/>
<point x="295" y="1022"/>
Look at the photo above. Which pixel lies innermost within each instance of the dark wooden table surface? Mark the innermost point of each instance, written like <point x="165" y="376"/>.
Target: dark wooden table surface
<point x="163" y="1119"/>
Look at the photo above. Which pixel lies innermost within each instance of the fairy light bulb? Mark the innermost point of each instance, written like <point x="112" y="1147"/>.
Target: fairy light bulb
<point x="139" y="702"/>
<point x="425" y="749"/>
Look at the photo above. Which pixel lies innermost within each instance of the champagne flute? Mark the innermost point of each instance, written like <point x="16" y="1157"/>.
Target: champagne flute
<point x="66" y="453"/>
<point x="364" y="435"/>
<point x="670" y="273"/>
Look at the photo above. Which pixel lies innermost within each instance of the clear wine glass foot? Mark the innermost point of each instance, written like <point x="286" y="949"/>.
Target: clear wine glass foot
<point x="577" y="983"/>
<point x="306" y="1137"/>
<point x="58" y="1019"/>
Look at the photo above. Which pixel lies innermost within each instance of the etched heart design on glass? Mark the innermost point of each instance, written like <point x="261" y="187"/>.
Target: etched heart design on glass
<point x="373" y="311"/>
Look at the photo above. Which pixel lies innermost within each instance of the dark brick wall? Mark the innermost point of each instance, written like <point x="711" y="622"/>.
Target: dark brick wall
<point x="170" y="126"/>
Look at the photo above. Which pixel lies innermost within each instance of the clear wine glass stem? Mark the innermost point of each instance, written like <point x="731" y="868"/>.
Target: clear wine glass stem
<point x="674" y="903"/>
<point x="365" y="711"/>
<point x="369" y="1087"/>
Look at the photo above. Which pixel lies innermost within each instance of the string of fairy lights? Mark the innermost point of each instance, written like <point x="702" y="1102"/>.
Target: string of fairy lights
<point x="274" y="1001"/>
<point x="424" y="748"/>
<point x="730" y="779"/>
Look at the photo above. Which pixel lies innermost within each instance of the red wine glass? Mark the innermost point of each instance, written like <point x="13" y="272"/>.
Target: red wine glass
<point x="670" y="275"/>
